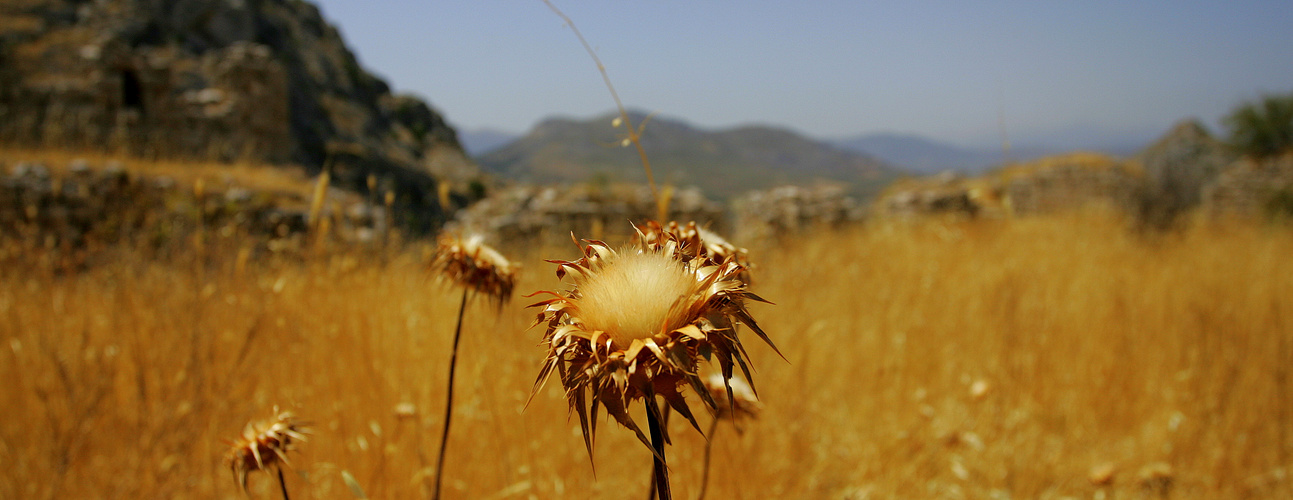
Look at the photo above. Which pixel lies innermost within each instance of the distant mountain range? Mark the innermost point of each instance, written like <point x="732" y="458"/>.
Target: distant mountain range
<point x="923" y="155"/>
<point x="723" y="163"/>
<point x="909" y="153"/>
<point x="480" y="141"/>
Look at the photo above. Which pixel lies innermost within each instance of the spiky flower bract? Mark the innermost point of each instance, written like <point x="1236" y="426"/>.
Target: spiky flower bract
<point x="264" y="443"/>
<point x="742" y="405"/>
<point x="469" y="262"/>
<point x="636" y="323"/>
<point x="698" y="242"/>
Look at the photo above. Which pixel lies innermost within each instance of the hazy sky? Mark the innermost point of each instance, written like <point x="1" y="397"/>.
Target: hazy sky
<point x="949" y="70"/>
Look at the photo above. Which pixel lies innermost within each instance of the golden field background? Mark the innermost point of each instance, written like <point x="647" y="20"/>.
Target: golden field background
<point x="1060" y="357"/>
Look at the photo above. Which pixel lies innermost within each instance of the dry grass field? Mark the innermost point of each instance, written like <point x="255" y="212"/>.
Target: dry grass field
<point x="1062" y="357"/>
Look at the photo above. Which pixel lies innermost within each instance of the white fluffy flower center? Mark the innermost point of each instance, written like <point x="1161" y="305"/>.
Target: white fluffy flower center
<point x="635" y="295"/>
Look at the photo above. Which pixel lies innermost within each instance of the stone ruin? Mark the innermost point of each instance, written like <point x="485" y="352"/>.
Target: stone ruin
<point x="944" y="194"/>
<point x="1071" y="181"/>
<point x="1045" y="186"/>
<point x="549" y="214"/>
<point x="789" y="210"/>
<point x="1251" y="188"/>
<point x="1185" y="170"/>
<point x="1178" y="168"/>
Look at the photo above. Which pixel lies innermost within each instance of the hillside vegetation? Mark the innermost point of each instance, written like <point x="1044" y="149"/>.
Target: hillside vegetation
<point x="722" y="163"/>
<point x="1048" y="357"/>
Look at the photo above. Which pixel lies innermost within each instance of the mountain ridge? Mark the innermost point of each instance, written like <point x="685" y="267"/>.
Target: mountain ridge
<point x="912" y="152"/>
<point x="723" y="162"/>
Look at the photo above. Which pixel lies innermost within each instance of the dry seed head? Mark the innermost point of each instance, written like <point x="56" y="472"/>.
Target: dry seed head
<point x="637" y="297"/>
<point x="470" y="263"/>
<point x="697" y="242"/>
<point x="743" y="402"/>
<point x="635" y="324"/>
<point x="264" y="443"/>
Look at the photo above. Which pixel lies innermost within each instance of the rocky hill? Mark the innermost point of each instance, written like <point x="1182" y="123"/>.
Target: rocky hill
<point x="266" y="80"/>
<point x="723" y="163"/>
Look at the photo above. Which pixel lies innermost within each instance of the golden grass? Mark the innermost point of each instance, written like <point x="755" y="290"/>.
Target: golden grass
<point x="1029" y="359"/>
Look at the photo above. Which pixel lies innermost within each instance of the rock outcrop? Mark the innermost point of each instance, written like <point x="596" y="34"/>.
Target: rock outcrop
<point x="267" y="80"/>
<point x="81" y="206"/>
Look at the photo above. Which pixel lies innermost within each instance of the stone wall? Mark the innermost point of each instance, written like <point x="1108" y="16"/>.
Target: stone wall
<point x="1045" y="186"/>
<point x="549" y="214"/>
<point x="785" y="211"/>
<point x="1252" y="188"/>
<point x="1072" y="181"/>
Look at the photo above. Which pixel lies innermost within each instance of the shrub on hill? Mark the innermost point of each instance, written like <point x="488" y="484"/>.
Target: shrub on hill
<point x="1263" y="129"/>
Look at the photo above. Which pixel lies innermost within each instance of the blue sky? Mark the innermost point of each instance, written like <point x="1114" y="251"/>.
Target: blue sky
<point x="954" y="71"/>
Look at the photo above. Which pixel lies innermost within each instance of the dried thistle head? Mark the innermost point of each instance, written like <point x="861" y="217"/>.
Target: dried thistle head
<point x="698" y="242"/>
<point x="635" y="324"/>
<point x="741" y="405"/>
<point x="470" y="263"/>
<point x="264" y="443"/>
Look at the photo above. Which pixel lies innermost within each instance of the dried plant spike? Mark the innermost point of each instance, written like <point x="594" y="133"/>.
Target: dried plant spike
<point x="470" y="263"/>
<point x="263" y="444"/>
<point x="738" y="404"/>
<point x="697" y="242"/>
<point x="636" y="323"/>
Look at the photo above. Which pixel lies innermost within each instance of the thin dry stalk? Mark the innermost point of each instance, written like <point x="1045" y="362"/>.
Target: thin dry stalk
<point x="634" y="134"/>
<point x="448" y="404"/>
<point x="474" y="266"/>
<point x="741" y="404"/>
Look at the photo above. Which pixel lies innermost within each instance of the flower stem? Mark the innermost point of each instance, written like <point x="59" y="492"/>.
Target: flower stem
<point x="448" y="405"/>
<point x="709" y="446"/>
<point x="657" y="442"/>
<point x="282" y="484"/>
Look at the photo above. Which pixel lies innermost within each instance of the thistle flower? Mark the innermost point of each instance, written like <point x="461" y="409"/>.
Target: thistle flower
<point x="637" y="321"/>
<point x="263" y="444"/>
<point x="472" y="264"/>
<point x="476" y="267"/>
<point x="698" y="242"/>
<point x="743" y="403"/>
